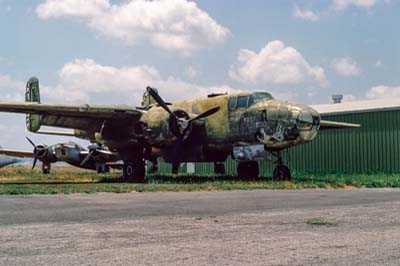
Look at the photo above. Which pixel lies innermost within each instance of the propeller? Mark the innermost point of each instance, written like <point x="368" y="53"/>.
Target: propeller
<point x="92" y="149"/>
<point x="38" y="151"/>
<point x="183" y="124"/>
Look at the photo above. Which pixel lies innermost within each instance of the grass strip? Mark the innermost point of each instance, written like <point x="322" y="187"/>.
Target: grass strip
<point x="19" y="180"/>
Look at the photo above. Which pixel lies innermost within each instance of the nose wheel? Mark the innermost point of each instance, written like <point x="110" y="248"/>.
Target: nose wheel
<point x="281" y="171"/>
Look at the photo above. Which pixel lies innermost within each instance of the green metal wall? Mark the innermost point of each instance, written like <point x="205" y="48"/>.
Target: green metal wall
<point x="375" y="147"/>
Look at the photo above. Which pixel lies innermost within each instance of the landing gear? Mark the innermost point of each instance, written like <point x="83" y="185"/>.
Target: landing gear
<point x="281" y="171"/>
<point x="219" y="168"/>
<point x="102" y="168"/>
<point x="153" y="168"/>
<point x="46" y="168"/>
<point x="134" y="171"/>
<point x="248" y="170"/>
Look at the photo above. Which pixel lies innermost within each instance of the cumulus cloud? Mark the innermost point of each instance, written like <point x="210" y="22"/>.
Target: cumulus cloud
<point x="305" y="14"/>
<point x="275" y="63"/>
<point x="83" y="79"/>
<point x="343" y="4"/>
<point x="191" y="72"/>
<point x="168" y="24"/>
<point x="11" y="89"/>
<point x="346" y="66"/>
<point x="383" y="92"/>
<point x="72" y="8"/>
<point x="349" y="98"/>
<point x="379" y="64"/>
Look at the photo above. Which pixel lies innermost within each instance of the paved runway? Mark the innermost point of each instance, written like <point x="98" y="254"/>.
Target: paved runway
<point x="261" y="227"/>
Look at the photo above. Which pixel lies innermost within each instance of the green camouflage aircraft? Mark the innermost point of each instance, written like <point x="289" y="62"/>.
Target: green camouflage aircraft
<point x="95" y="157"/>
<point x="244" y="125"/>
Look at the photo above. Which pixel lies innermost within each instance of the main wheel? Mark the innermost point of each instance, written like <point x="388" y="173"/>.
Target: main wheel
<point x="134" y="171"/>
<point x="281" y="172"/>
<point x="219" y="168"/>
<point x="46" y="168"/>
<point x="248" y="170"/>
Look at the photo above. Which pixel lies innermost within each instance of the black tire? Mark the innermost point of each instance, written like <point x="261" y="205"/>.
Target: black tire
<point x="219" y="168"/>
<point x="46" y="169"/>
<point x="134" y="171"/>
<point x="248" y="170"/>
<point x="281" y="172"/>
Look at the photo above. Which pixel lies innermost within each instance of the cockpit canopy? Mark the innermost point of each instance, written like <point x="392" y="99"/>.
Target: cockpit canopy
<point x="244" y="101"/>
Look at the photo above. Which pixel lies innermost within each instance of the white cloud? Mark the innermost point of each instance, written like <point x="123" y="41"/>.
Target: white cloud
<point x="169" y="24"/>
<point x="277" y="64"/>
<point x="72" y="8"/>
<point x="85" y="79"/>
<point x="305" y="14"/>
<point x="346" y="66"/>
<point x="379" y="64"/>
<point x="11" y="89"/>
<point x="348" y="98"/>
<point x="383" y="92"/>
<point x="191" y="72"/>
<point x="343" y="4"/>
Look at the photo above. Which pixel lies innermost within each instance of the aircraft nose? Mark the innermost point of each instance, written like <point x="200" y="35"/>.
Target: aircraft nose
<point x="308" y="124"/>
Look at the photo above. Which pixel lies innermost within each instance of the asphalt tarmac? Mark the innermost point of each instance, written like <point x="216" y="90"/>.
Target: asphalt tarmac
<point x="261" y="227"/>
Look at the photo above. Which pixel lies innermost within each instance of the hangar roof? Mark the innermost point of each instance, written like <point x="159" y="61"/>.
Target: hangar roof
<point x="358" y="106"/>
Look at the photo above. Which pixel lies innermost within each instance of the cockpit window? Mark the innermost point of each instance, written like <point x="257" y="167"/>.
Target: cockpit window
<point x="232" y="104"/>
<point x="259" y="96"/>
<point x="242" y="101"/>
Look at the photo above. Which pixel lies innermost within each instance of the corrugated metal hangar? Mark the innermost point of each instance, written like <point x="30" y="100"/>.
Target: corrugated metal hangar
<point x="375" y="147"/>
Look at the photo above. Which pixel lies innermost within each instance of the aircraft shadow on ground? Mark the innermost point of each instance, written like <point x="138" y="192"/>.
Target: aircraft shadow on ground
<point x="148" y="180"/>
<point x="189" y="179"/>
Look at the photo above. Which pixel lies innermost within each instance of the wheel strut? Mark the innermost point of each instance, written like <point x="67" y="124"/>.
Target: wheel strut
<point x="281" y="171"/>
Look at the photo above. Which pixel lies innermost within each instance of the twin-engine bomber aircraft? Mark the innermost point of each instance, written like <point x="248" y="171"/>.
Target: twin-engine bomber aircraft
<point x="94" y="158"/>
<point x="244" y="125"/>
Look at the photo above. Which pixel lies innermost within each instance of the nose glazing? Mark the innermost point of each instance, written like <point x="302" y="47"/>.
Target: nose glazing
<point x="308" y="124"/>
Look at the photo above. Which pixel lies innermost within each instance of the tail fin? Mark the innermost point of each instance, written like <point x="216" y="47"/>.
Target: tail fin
<point x="32" y="94"/>
<point x="148" y="99"/>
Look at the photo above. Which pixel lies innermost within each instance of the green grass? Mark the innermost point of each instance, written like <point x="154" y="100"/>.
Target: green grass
<point x="20" y="180"/>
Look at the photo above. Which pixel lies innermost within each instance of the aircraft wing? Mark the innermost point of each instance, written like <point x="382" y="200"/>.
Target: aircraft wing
<point x="76" y="116"/>
<point x="17" y="153"/>
<point x="325" y="124"/>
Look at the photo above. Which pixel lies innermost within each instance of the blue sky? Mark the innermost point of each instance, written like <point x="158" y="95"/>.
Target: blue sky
<point x="103" y="51"/>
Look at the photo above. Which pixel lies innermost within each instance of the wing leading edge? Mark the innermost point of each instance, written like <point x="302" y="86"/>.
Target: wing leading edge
<point x="72" y="110"/>
<point x="75" y="116"/>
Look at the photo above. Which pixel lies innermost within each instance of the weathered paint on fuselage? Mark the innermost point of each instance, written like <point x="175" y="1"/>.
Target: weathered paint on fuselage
<point x="239" y="126"/>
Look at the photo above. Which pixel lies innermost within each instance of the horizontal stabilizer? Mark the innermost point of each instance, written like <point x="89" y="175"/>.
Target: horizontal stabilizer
<point x="325" y="124"/>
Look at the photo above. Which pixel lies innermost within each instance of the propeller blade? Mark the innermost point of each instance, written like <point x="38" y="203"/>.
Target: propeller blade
<point x="31" y="142"/>
<point x="87" y="157"/>
<point x="158" y="99"/>
<point x="34" y="162"/>
<point x="205" y="114"/>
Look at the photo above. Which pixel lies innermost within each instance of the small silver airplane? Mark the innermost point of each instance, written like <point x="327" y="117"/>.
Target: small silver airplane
<point x="95" y="157"/>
